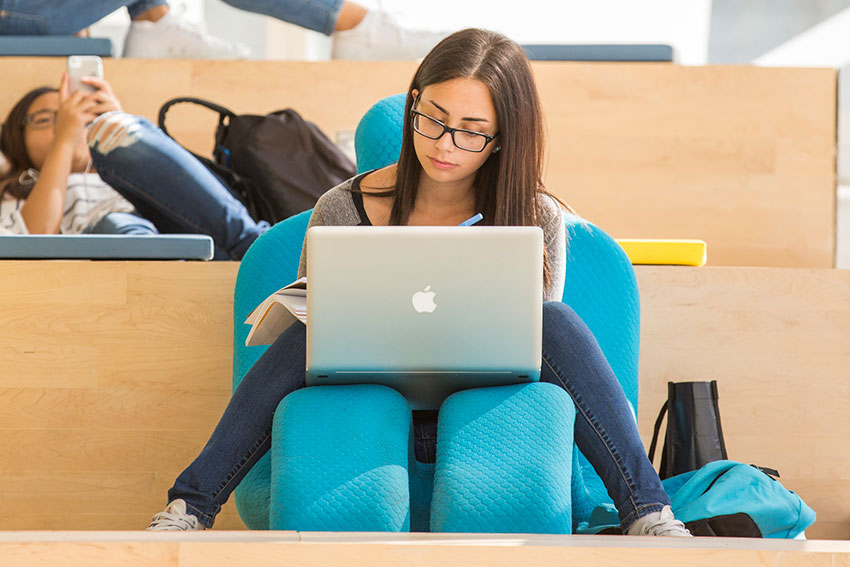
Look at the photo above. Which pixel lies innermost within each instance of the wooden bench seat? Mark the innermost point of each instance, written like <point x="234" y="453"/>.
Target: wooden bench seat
<point x="216" y="548"/>
<point x="740" y="157"/>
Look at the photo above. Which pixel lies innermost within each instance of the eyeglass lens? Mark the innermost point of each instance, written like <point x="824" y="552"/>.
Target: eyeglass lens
<point x="41" y="119"/>
<point x="465" y="140"/>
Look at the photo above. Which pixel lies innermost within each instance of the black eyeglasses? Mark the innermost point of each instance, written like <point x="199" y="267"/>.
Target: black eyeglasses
<point x="41" y="119"/>
<point x="433" y="129"/>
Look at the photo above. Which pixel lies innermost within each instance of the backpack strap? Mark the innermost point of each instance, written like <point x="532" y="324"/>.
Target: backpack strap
<point x="772" y="473"/>
<point x="225" y="115"/>
<point x="656" y="429"/>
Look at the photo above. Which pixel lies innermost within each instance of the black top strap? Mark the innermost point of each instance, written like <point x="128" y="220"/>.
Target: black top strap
<point x="656" y="429"/>
<point x="222" y="111"/>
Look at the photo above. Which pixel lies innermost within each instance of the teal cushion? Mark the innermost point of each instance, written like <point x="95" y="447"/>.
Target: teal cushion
<point x="270" y="263"/>
<point x="339" y="460"/>
<point x="504" y="461"/>
<point x="611" y="305"/>
<point x="377" y="140"/>
<point x="611" y="309"/>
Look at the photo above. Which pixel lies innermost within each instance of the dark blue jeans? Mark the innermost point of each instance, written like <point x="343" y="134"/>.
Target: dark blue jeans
<point x="605" y="430"/>
<point x="167" y="185"/>
<point x="51" y="17"/>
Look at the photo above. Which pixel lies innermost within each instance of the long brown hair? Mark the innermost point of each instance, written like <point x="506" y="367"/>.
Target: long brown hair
<point x="13" y="147"/>
<point x="508" y="185"/>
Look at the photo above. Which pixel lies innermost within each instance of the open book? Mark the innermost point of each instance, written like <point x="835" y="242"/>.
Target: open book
<point x="277" y="312"/>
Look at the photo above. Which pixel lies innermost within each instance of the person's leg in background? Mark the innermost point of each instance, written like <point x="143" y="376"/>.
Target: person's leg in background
<point x="59" y="17"/>
<point x="155" y="30"/>
<point x="605" y="429"/>
<point x="167" y="185"/>
<point x="358" y="32"/>
<point x="122" y="223"/>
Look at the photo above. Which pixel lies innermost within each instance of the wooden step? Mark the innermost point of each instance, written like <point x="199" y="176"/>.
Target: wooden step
<point x="214" y="548"/>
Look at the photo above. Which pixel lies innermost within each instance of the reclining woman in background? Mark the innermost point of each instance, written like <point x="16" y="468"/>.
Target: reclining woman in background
<point x="78" y="165"/>
<point x="472" y="142"/>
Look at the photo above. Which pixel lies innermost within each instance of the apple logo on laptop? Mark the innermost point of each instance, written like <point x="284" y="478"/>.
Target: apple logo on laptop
<point x="423" y="301"/>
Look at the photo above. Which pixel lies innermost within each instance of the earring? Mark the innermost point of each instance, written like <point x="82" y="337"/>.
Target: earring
<point x="496" y="149"/>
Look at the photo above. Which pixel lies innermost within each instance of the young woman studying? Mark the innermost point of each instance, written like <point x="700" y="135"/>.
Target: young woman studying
<point x="472" y="142"/>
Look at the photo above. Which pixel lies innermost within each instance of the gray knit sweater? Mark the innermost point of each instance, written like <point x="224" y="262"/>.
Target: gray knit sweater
<point x="336" y="208"/>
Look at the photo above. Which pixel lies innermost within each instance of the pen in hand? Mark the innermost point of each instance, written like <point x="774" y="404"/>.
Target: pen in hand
<point x="472" y="220"/>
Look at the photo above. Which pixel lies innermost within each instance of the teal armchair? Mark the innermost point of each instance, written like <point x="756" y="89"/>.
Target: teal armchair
<point x="334" y="467"/>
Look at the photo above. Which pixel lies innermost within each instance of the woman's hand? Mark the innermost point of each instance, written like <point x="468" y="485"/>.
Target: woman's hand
<point x="75" y="112"/>
<point x="105" y="97"/>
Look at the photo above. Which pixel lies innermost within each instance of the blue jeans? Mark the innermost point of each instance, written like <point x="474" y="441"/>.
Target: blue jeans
<point x="605" y="430"/>
<point x="52" y="17"/>
<point x="167" y="185"/>
<point x="122" y="223"/>
<point x="316" y="15"/>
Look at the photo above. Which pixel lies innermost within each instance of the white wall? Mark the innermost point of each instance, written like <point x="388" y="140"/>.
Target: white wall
<point x="683" y="24"/>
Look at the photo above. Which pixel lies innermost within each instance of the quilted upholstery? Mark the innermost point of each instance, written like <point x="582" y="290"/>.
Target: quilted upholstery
<point x="504" y="460"/>
<point x="610" y="307"/>
<point x="270" y="263"/>
<point x="377" y="140"/>
<point x="339" y="460"/>
<point x="600" y="285"/>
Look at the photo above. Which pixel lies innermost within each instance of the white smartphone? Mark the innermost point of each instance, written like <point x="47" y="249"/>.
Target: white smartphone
<point x="80" y="66"/>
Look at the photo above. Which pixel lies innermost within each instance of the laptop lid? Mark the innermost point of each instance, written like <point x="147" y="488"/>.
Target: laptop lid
<point x="425" y="310"/>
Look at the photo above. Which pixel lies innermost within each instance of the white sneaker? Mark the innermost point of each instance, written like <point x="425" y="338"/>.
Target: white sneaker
<point x="172" y="36"/>
<point x="175" y="518"/>
<point x="659" y="524"/>
<point x="380" y="36"/>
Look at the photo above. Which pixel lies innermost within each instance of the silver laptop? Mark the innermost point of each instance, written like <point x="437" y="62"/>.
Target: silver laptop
<point x="425" y="310"/>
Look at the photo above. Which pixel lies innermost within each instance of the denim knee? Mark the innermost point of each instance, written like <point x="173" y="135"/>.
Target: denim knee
<point x="113" y="130"/>
<point x="560" y="319"/>
<point x="560" y="314"/>
<point x="557" y="310"/>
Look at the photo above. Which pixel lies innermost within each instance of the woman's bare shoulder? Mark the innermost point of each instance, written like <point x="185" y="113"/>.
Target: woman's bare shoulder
<point x="379" y="180"/>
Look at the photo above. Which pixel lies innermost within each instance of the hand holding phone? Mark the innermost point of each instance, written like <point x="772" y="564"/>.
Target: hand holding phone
<point x="80" y="66"/>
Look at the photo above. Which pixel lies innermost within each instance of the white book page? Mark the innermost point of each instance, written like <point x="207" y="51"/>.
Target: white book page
<point x="277" y="312"/>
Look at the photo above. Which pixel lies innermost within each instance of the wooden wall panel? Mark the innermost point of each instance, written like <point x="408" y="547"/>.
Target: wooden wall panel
<point x="742" y="157"/>
<point x="103" y="403"/>
<point x="112" y="376"/>
<point x="778" y="343"/>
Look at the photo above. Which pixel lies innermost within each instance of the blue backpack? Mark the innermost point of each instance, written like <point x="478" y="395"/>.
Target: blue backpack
<point x="731" y="499"/>
<point x="724" y="499"/>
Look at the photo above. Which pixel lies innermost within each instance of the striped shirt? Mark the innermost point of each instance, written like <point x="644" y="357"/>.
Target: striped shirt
<point x="87" y="200"/>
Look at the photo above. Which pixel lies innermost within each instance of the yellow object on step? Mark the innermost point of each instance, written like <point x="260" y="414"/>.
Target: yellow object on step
<point x="666" y="252"/>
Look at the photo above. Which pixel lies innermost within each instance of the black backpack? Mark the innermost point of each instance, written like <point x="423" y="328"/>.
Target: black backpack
<point x="277" y="165"/>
